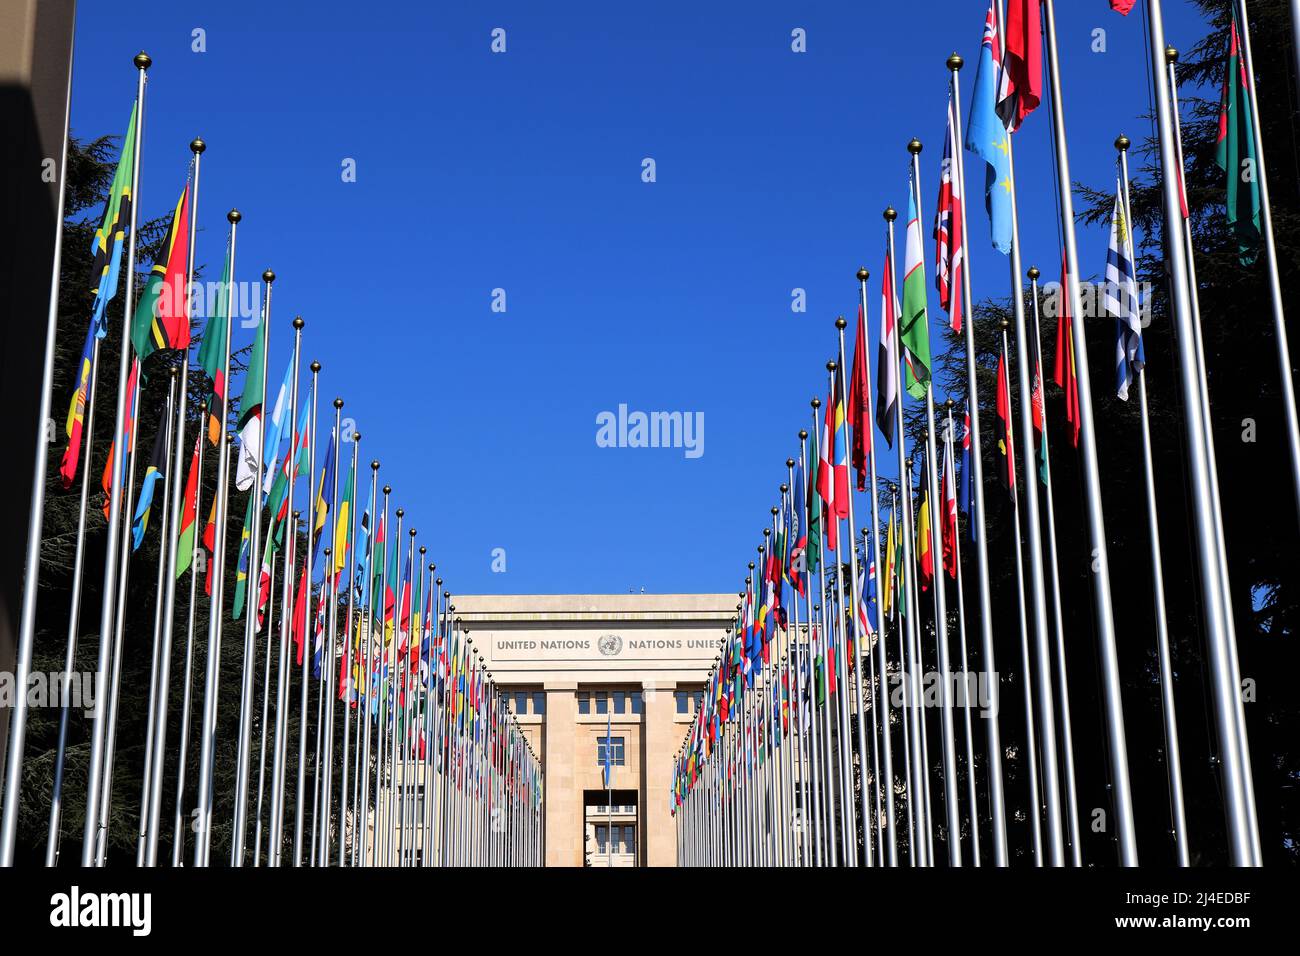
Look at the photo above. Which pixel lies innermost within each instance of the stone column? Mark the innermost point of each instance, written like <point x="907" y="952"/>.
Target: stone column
<point x="661" y="739"/>
<point x="563" y="796"/>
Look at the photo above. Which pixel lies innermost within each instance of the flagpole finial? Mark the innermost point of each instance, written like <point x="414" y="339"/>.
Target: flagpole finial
<point x="142" y="60"/>
<point x="1122" y="143"/>
<point x="315" y="367"/>
<point x="1171" y="55"/>
<point x="268" y="276"/>
<point x="1004" y="324"/>
<point x="785" y="488"/>
<point x="893" y="488"/>
<point x="890" y="214"/>
<point x="831" y="366"/>
<point x="374" y="464"/>
<point x="423" y="551"/>
<point x="338" y="403"/>
<point x="789" y="463"/>
<point x="173" y="371"/>
<point x="948" y="403"/>
<point x="327" y="552"/>
<point x="400" y="511"/>
<point x="914" y="146"/>
<point x="863" y="274"/>
<point x="1034" y="273"/>
<point x="298" y="323"/>
<point x="841" y="324"/>
<point x="907" y="462"/>
<point x="388" y="489"/>
<point x="197" y="145"/>
<point x="803" y="435"/>
<point x="356" y="437"/>
<point x="412" y="533"/>
<point x="955" y="62"/>
<point x="439" y="581"/>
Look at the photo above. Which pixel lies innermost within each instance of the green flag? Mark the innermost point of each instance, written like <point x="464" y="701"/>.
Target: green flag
<point x="1235" y="152"/>
<point x="915" y="328"/>
<point x="813" y="553"/>
<point x="245" y="555"/>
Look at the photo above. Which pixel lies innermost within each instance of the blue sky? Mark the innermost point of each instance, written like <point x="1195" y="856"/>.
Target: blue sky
<point x="522" y="171"/>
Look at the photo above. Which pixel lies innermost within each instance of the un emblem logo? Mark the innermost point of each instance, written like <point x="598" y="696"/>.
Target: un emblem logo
<point x="610" y="644"/>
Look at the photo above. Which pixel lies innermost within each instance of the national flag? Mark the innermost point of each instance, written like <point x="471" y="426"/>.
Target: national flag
<point x="987" y="135"/>
<point x="299" y="625"/>
<point x="154" y="473"/>
<point x="858" y="412"/>
<point x="1064" y="372"/>
<point x="212" y="351"/>
<point x="162" y="318"/>
<point x="250" y="413"/>
<point x="887" y="353"/>
<point x="867" y="613"/>
<point x="77" y="412"/>
<point x="828" y="473"/>
<point x="110" y="237"/>
<point x="924" y="551"/>
<point x="967" y="496"/>
<point x="1122" y="7"/>
<point x="889" y="602"/>
<point x="343" y="536"/>
<point x="1024" y="62"/>
<point x="128" y="441"/>
<point x="949" y="228"/>
<point x="275" y="434"/>
<point x="813" y="552"/>
<point x="185" y="537"/>
<point x="245" y="547"/>
<point x="915" y="320"/>
<point x="1038" y="413"/>
<point x="318" y="628"/>
<point x="1235" y="151"/>
<point x="948" y="497"/>
<point x="1006" y="446"/>
<point x="1121" y="299"/>
<point x="323" y="502"/>
<point x="796" y="560"/>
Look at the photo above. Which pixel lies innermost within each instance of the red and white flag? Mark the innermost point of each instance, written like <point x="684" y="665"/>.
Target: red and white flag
<point x="887" y="354"/>
<point x="949" y="229"/>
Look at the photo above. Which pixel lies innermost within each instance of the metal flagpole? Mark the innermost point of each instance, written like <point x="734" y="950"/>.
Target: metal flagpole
<point x="279" y="744"/>
<point x="993" y="742"/>
<point x="832" y="810"/>
<point x="253" y="573"/>
<point x="349" y="683"/>
<point x="951" y="801"/>
<point x="208" y="734"/>
<point x="1173" y="761"/>
<point x="300" y="793"/>
<point x="882" y="661"/>
<point x="361" y="830"/>
<point x="94" y="784"/>
<point x="1053" y="564"/>
<point x="1242" y="837"/>
<point x="1193" y="294"/>
<point x="905" y="693"/>
<point x="1113" y="700"/>
<point x="334" y="571"/>
<point x="325" y="597"/>
<point x="266" y="704"/>
<point x="392" y="831"/>
<point x="949" y="461"/>
<point x="1031" y="736"/>
<point x="35" y="518"/>
<point x="809" y="655"/>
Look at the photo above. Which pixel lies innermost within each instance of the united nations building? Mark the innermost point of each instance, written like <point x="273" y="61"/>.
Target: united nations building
<point x="578" y="669"/>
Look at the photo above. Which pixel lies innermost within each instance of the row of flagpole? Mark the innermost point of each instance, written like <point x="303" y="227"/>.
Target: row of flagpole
<point x="830" y="795"/>
<point x="433" y="768"/>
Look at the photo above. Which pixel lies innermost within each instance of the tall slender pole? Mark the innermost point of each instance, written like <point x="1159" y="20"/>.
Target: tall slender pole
<point x="301" y="790"/>
<point x="266" y="707"/>
<point x="349" y="689"/>
<point x="95" y="775"/>
<point x="993" y="741"/>
<point x="216" y="607"/>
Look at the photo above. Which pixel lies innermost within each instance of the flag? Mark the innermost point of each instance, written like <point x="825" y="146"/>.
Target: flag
<point x="250" y="413"/>
<point x="324" y="500"/>
<point x="1038" y="413"/>
<point x="300" y="613"/>
<point x="1235" y="151"/>
<point x="1024" y="62"/>
<point x="988" y="138"/>
<point x="799" y="537"/>
<point x="949" y="229"/>
<point x="212" y="351"/>
<point x="1121" y="299"/>
<point x="915" y="322"/>
<point x="1064" y="372"/>
<point x="275" y="434"/>
<point x="887" y="354"/>
<point x="185" y="536"/>
<point x="827" y="472"/>
<point x="867" y="599"/>
<point x="1122" y="7"/>
<point x="609" y="744"/>
<point x="343" y="536"/>
<point x="154" y="473"/>
<point x="924" y="551"/>
<point x="948" y="496"/>
<point x="111" y="235"/>
<point x="1006" y="448"/>
<point x="889" y="603"/>
<point x="858" y="413"/>
<point x="967" y="497"/>
<point x="241" y="564"/>
<point x="128" y="441"/>
<point x="77" y="412"/>
<point x="162" y="318"/>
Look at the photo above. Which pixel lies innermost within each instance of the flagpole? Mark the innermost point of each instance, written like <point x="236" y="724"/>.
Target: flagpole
<point x="803" y="654"/>
<point x="392" y="834"/>
<point x="1229" y="733"/>
<point x="95" y="773"/>
<point x="300" y="791"/>
<point x="266" y="704"/>
<point x="1274" y="285"/>
<point x="349" y="684"/>
<point x="280" y="756"/>
<point x="904" y="689"/>
<point x="381" y="729"/>
<point x="803" y="783"/>
<point x="997" y="797"/>
<point x="1062" y="684"/>
<point x="1171" y="55"/>
<point x="1031" y="737"/>
<point x="363" y="774"/>
<point x="244" y="758"/>
<point x="922" y="729"/>
<point x="334" y="573"/>
<point x="150" y="767"/>
<point x="208" y="733"/>
<point x="965" y="657"/>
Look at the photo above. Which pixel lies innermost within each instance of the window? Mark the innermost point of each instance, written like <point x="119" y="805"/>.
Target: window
<point x="584" y="702"/>
<point x="616" y="754"/>
<point x="683" y="701"/>
<point x="602" y="702"/>
<point x="539" y="702"/>
<point x="620" y="702"/>
<point x="637" y="701"/>
<point x="521" y="703"/>
<point x="629" y="839"/>
<point x="624" y="838"/>
<point x="602" y="836"/>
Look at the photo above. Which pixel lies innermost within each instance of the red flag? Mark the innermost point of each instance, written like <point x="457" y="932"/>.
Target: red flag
<point x="948" y="523"/>
<point x="128" y="436"/>
<point x="1122" y="7"/>
<point x="1064" y="371"/>
<point x="300" y="613"/>
<point x="949" y="230"/>
<point x="210" y="545"/>
<point x="826" y="476"/>
<point x="1023" y="61"/>
<point x="859" y="410"/>
<point x="1005" y="446"/>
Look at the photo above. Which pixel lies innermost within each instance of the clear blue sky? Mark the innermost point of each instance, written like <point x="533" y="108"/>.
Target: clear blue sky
<point x="522" y="171"/>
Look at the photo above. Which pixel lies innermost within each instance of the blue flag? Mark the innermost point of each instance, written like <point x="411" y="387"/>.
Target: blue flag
<point x="966" y="494"/>
<point x="609" y="745"/>
<point x="987" y="137"/>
